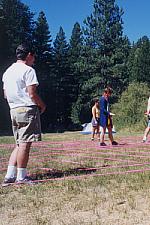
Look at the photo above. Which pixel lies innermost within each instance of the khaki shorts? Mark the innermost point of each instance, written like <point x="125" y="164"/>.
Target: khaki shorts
<point x="26" y="124"/>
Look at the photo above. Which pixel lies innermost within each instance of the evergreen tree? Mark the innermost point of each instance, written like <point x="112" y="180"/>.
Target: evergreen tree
<point x="62" y="81"/>
<point x="76" y="43"/>
<point x="104" y="32"/>
<point x="75" y="50"/>
<point x="104" y="56"/>
<point x="42" y="42"/>
<point x="16" y="26"/>
<point x="44" y="65"/>
<point x="139" y="61"/>
<point x="3" y="40"/>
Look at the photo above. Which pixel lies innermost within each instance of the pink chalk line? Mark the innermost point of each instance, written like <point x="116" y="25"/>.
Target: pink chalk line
<point x="74" y="154"/>
<point x="81" y="162"/>
<point x="90" y="157"/>
<point x="104" y="149"/>
<point x="71" y="155"/>
<point x="92" y="175"/>
<point x="106" y="167"/>
<point x="92" y="152"/>
<point x="70" y="143"/>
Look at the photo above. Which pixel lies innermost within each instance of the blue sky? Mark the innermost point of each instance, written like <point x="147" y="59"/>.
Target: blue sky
<point x="66" y="13"/>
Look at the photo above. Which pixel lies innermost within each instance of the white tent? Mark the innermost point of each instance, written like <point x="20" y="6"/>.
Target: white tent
<point x="87" y="129"/>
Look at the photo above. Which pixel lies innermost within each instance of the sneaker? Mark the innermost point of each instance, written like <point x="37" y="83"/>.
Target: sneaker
<point x="92" y="139"/>
<point x="102" y="144"/>
<point x="8" y="181"/>
<point x="26" y="180"/>
<point x="114" y="143"/>
<point x="144" y="139"/>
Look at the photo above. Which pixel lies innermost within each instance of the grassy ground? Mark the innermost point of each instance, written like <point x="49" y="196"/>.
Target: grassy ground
<point x="87" y="184"/>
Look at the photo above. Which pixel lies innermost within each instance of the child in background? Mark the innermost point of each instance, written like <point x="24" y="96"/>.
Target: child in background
<point x="146" y="132"/>
<point x="95" y="119"/>
<point x="105" y="117"/>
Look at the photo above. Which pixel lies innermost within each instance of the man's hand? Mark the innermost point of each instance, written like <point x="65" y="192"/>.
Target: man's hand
<point x="42" y="108"/>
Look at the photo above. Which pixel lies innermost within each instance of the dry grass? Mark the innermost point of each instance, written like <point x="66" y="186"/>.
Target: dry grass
<point x="92" y="200"/>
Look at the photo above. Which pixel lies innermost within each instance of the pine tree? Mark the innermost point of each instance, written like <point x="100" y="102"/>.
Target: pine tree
<point x="104" y="32"/>
<point x="76" y="43"/>
<point x="62" y="80"/>
<point x="44" y="65"/>
<point x="42" y="38"/>
<point x="75" y="51"/>
<point x="139" y="61"/>
<point x="16" y="26"/>
<point x="104" y="55"/>
<point x="42" y="42"/>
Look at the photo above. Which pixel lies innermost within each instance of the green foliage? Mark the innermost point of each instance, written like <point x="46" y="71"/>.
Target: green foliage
<point x="75" y="49"/>
<point x="63" y="81"/>
<point x="104" y="56"/>
<point x="104" y="32"/>
<point x="42" y="43"/>
<point x="71" y="74"/>
<point x="16" y="26"/>
<point x="17" y="21"/>
<point x="81" y="111"/>
<point x="139" y="61"/>
<point x="131" y="107"/>
<point x="44" y="65"/>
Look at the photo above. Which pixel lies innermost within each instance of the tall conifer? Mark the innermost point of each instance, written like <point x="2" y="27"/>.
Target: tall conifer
<point x="44" y="65"/>
<point x="16" y="26"/>
<point x="104" y="32"/>
<point x="62" y="80"/>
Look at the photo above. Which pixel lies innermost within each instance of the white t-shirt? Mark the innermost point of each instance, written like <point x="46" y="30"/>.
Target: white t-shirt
<point x="15" y="81"/>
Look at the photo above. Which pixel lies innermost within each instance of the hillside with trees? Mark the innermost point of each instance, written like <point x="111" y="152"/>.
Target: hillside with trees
<point x="71" y="73"/>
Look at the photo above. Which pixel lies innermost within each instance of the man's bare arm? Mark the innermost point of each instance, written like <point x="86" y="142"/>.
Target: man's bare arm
<point x="5" y="94"/>
<point x="36" y="98"/>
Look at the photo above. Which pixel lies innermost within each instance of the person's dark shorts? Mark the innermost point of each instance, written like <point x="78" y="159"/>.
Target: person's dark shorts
<point x="26" y="124"/>
<point x="95" y="124"/>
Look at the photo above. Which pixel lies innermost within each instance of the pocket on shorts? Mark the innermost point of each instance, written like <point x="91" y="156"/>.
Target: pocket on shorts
<point x="22" y="115"/>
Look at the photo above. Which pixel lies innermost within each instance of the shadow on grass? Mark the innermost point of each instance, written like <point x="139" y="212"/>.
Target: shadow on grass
<point x="59" y="173"/>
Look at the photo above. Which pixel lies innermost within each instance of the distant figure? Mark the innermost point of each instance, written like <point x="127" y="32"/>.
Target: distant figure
<point x="95" y="119"/>
<point x="146" y="132"/>
<point x="19" y="84"/>
<point x="105" y="117"/>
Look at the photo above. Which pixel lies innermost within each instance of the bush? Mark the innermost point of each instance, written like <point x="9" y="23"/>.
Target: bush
<point x="131" y="107"/>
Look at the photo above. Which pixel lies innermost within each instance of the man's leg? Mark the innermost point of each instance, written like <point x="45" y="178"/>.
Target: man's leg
<point x="23" y="154"/>
<point x="22" y="160"/>
<point x="12" y="165"/>
<point x="13" y="157"/>
<point x="93" y="133"/>
<point x="110" y="134"/>
<point x="146" y="133"/>
<point x="102" y="134"/>
<point x="98" y="133"/>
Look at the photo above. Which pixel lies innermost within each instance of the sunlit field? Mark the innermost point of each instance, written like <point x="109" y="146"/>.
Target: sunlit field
<point x="78" y="182"/>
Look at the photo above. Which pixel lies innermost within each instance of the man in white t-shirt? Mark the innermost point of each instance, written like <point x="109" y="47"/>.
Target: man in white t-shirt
<point x="19" y="84"/>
